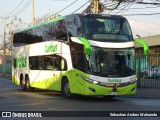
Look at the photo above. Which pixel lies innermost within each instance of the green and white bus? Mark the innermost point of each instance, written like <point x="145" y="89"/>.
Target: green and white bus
<point x="85" y="54"/>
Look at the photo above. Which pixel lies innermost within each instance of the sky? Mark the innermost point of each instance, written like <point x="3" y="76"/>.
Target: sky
<point x="143" y="25"/>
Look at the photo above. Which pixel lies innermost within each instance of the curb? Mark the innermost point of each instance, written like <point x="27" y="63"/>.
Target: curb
<point x="146" y="93"/>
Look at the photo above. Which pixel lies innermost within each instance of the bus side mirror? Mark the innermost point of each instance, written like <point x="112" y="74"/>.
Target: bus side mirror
<point x="145" y="45"/>
<point x="86" y="44"/>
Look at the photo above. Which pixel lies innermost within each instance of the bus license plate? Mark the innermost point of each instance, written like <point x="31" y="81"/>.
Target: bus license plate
<point x="113" y="93"/>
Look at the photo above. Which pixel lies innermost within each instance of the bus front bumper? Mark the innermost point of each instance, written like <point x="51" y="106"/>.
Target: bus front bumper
<point x="90" y="89"/>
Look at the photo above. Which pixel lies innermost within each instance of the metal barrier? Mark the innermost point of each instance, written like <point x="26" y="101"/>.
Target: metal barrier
<point x="148" y="70"/>
<point x="8" y="68"/>
<point x="8" y="65"/>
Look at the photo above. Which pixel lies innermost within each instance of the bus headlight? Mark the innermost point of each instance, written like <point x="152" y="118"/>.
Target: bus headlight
<point x="89" y="80"/>
<point x="132" y="81"/>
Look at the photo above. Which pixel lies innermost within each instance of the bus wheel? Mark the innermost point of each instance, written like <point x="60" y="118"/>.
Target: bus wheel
<point x="66" y="89"/>
<point x="28" y="87"/>
<point x="22" y="83"/>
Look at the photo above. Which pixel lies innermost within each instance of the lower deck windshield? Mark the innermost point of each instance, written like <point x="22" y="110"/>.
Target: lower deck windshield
<point x="111" y="62"/>
<point x="105" y="62"/>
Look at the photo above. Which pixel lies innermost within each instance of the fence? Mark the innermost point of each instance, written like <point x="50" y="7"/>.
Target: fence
<point x="8" y="65"/>
<point x="148" y="70"/>
<point x="8" y="68"/>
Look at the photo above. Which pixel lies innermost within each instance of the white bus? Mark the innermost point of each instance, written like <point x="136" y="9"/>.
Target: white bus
<point x="85" y="54"/>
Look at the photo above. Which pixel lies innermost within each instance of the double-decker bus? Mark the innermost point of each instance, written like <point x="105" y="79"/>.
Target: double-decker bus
<point x="85" y="54"/>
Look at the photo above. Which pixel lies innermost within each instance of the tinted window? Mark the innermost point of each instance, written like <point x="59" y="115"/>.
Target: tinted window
<point x="60" y="30"/>
<point x="48" y="62"/>
<point x="73" y="24"/>
<point x="14" y="63"/>
<point x="78" y="55"/>
<point x="51" y="31"/>
<point x="107" y="29"/>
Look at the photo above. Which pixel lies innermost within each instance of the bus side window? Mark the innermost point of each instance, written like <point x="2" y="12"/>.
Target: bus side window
<point x="57" y="63"/>
<point x="33" y="63"/>
<point x="48" y="65"/>
<point x="60" y="64"/>
<point x="40" y="63"/>
<point x="77" y="54"/>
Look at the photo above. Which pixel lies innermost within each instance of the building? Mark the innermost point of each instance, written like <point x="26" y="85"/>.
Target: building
<point x="153" y="42"/>
<point x="154" y="50"/>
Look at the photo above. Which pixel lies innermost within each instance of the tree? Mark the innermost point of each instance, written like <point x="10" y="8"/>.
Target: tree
<point x="99" y="6"/>
<point x="14" y="25"/>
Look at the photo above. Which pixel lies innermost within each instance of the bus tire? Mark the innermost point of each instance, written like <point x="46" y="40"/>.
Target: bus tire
<point x="66" y="89"/>
<point x="28" y="87"/>
<point x="22" y="83"/>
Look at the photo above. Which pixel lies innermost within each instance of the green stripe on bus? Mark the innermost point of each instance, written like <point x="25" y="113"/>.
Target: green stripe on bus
<point x="145" y="45"/>
<point x="41" y="24"/>
<point x="86" y="45"/>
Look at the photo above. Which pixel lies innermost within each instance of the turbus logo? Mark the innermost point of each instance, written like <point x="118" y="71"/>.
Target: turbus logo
<point x="50" y="48"/>
<point x="21" y="62"/>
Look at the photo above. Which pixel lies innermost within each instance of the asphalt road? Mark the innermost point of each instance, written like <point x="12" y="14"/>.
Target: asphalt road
<point x="12" y="98"/>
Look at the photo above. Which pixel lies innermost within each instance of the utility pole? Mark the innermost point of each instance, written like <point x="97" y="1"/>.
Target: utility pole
<point x="95" y="6"/>
<point x="33" y="15"/>
<point x="4" y="48"/>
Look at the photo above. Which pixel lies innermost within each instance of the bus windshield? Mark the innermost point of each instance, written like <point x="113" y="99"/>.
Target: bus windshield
<point x="111" y="62"/>
<point x="107" y="29"/>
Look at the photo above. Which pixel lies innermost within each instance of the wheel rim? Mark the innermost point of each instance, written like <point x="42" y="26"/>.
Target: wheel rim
<point x="27" y="84"/>
<point x="23" y="84"/>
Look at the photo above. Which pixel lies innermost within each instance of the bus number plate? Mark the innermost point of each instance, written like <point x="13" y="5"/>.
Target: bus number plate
<point x="113" y="93"/>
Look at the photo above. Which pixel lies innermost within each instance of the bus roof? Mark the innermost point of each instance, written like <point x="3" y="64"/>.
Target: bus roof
<point x="60" y="18"/>
<point x="101" y="15"/>
<point x="37" y="25"/>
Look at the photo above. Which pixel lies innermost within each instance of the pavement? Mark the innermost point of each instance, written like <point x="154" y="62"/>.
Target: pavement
<point x="6" y="76"/>
<point x="146" y="93"/>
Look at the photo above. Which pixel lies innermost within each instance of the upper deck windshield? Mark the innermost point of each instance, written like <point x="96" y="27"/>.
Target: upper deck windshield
<point x="107" y="29"/>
